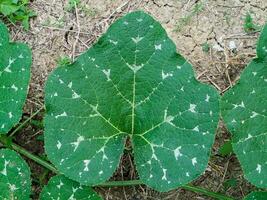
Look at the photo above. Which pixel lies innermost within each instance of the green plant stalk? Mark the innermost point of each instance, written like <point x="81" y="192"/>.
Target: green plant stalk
<point x="5" y="140"/>
<point x="206" y="192"/>
<point x="186" y="187"/>
<point x="25" y="122"/>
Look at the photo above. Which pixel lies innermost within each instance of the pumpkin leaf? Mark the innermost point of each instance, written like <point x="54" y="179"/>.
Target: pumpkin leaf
<point x="61" y="188"/>
<point x="131" y="83"/>
<point x="15" y="65"/>
<point x="244" y="110"/>
<point x="262" y="44"/>
<point x="15" y="182"/>
<point x="256" y="196"/>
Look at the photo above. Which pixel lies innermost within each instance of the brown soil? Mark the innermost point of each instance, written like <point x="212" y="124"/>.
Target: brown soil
<point x="55" y="33"/>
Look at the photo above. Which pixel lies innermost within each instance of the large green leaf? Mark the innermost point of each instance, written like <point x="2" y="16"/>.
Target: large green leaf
<point x="262" y="45"/>
<point x="256" y="196"/>
<point x="15" y="182"/>
<point x="61" y="188"/>
<point x="15" y="65"/>
<point x="244" y="110"/>
<point x="131" y="83"/>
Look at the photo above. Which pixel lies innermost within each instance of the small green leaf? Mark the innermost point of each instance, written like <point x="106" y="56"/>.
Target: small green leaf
<point x="7" y="8"/>
<point x="256" y="196"/>
<point x="61" y="188"/>
<point x="131" y="83"/>
<point x="40" y="138"/>
<point x="249" y="25"/>
<point x="15" y="182"/>
<point x="64" y="60"/>
<point x="244" y="110"/>
<point x="226" y="148"/>
<point x="72" y="4"/>
<point x="15" y="65"/>
<point x="230" y="183"/>
<point x="17" y="10"/>
<point x="37" y="123"/>
<point x="205" y="47"/>
<point x="25" y="23"/>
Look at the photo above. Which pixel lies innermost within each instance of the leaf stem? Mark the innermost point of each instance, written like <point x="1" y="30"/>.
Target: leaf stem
<point x="186" y="187"/>
<point x="25" y="122"/>
<point x="206" y="192"/>
<point x="5" y="140"/>
<point x="120" y="183"/>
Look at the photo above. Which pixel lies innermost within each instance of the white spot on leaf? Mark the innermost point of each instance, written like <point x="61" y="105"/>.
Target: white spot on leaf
<point x="258" y="169"/>
<point x="134" y="67"/>
<point x="177" y="152"/>
<point x="86" y="163"/>
<point x="107" y="73"/>
<point x="165" y="75"/>
<point x="254" y="114"/>
<point x="77" y="143"/>
<point x="242" y="105"/>
<point x="137" y="39"/>
<point x="64" y="114"/>
<point x="60" y="184"/>
<point x="194" y="161"/>
<point x="196" y="129"/>
<point x="70" y="85"/>
<point x="168" y="119"/>
<point x="12" y="187"/>
<point x="14" y="87"/>
<point x="207" y="98"/>
<point x="59" y="144"/>
<point x="164" y="177"/>
<point x="113" y="42"/>
<point x="4" y="171"/>
<point x="192" y="108"/>
<point x="10" y="115"/>
<point x="75" y="95"/>
<point x="158" y="47"/>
